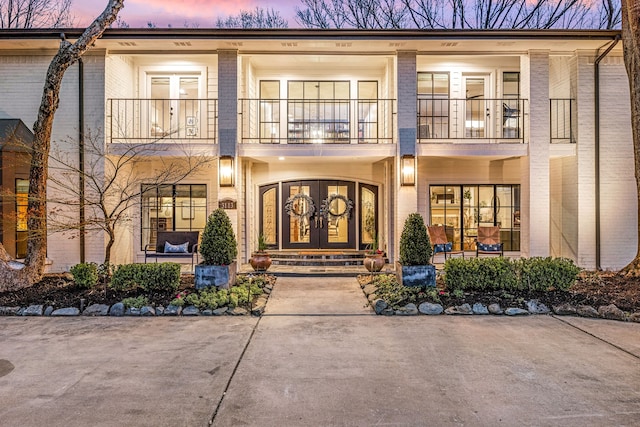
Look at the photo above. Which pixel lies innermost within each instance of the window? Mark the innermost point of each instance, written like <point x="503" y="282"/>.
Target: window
<point x="367" y="111"/>
<point x="22" y="201"/>
<point x="318" y="111"/>
<point x="462" y="208"/>
<point x="433" y="105"/>
<point x="269" y="111"/>
<point x="511" y="104"/>
<point x="178" y="207"/>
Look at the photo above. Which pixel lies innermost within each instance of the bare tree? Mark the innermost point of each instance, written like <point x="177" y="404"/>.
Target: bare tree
<point x="609" y="14"/>
<point x="446" y="14"/>
<point x="35" y="13"/>
<point x="631" y="48"/>
<point x="257" y="18"/>
<point x="113" y="183"/>
<point x="360" y="14"/>
<point x="68" y="54"/>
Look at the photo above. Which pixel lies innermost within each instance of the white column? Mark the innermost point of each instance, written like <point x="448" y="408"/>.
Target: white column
<point x="534" y="172"/>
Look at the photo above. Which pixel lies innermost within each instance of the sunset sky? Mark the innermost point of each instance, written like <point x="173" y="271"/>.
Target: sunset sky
<point x="137" y="13"/>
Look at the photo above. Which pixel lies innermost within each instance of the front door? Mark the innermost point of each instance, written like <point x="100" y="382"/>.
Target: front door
<point x="318" y="214"/>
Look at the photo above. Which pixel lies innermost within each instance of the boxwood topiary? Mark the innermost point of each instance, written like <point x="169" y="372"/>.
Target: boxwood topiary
<point x="218" y="244"/>
<point x="415" y="247"/>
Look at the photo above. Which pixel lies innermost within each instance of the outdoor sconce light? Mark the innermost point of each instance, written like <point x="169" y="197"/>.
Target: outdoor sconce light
<point x="225" y="171"/>
<point x="408" y="171"/>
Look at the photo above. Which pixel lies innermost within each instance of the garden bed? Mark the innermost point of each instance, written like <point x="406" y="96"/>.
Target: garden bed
<point x="591" y="289"/>
<point x="60" y="291"/>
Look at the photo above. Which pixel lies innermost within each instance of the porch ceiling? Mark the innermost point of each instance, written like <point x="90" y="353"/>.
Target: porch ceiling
<point x="473" y="150"/>
<point x="312" y="152"/>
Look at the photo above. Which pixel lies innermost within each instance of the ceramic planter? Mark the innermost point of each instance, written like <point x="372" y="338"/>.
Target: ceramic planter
<point x="221" y="276"/>
<point x="416" y="275"/>
<point x="374" y="262"/>
<point x="260" y="261"/>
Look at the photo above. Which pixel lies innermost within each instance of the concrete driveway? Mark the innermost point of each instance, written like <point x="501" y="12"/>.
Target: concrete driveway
<point x="319" y="357"/>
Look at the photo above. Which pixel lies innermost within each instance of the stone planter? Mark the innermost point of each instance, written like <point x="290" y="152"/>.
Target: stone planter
<point x="416" y="275"/>
<point x="374" y="262"/>
<point x="260" y="261"/>
<point x="221" y="276"/>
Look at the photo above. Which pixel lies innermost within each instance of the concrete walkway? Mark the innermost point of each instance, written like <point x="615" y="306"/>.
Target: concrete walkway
<point x="319" y="357"/>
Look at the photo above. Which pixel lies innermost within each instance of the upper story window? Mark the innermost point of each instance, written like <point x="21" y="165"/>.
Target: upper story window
<point x="433" y="105"/>
<point x="433" y="84"/>
<point x="511" y="84"/>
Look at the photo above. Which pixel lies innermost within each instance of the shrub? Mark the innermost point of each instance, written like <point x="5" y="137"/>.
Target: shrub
<point x="150" y="277"/>
<point x="415" y="247"/>
<point x="218" y="244"/>
<point x="480" y="274"/>
<point x="394" y="293"/>
<point x="489" y="274"/>
<point x="135" y="302"/>
<point x="544" y="274"/>
<point x="85" y="274"/>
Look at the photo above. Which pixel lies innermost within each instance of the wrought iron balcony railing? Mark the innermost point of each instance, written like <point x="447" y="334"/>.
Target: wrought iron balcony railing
<point x="447" y="120"/>
<point x="318" y="121"/>
<point x="147" y="120"/>
<point x="563" y="120"/>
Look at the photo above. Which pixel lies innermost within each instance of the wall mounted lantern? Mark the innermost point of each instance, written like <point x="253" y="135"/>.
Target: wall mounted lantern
<point x="408" y="170"/>
<point x="226" y="171"/>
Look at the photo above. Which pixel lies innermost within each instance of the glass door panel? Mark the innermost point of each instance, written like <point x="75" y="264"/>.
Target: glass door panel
<point x="445" y="210"/>
<point x="270" y="111"/>
<point x="300" y="222"/>
<point x="475" y="123"/>
<point x="160" y="108"/>
<point x="368" y="216"/>
<point x="188" y="108"/>
<point x="269" y="214"/>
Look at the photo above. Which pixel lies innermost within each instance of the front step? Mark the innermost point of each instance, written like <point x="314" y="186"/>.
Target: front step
<point x="317" y="258"/>
<point x="320" y="263"/>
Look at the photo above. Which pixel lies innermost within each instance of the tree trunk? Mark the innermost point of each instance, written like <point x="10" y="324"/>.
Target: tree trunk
<point x="68" y="54"/>
<point x="631" y="46"/>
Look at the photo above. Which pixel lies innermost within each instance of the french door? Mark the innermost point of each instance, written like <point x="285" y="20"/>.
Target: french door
<point x="476" y="120"/>
<point x="318" y="214"/>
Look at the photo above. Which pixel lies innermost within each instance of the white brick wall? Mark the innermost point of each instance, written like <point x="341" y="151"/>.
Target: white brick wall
<point x="618" y="198"/>
<point x="582" y="90"/>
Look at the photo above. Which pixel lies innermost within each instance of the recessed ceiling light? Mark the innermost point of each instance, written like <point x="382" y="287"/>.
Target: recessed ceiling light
<point x="280" y="158"/>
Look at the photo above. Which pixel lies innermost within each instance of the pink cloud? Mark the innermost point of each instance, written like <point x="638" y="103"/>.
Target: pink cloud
<point x="178" y="12"/>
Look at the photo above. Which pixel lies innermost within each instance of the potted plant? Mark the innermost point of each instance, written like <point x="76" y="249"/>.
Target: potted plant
<point x="373" y="257"/>
<point x="414" y="267"/>
<point x="260" y="259"/>
<point x="218" y="249"/>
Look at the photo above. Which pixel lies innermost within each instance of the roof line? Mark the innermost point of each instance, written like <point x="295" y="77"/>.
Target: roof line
<point x="248" y="34"/>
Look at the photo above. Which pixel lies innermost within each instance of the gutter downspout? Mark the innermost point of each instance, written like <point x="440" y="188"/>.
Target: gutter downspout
<point x="596" y="103"/>
<point x="81" y="178"/>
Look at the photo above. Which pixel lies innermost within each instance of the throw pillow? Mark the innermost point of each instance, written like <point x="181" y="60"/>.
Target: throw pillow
<point x="442" y="247"/>
<point x="489" y="248"/>
<point x="176" y="249"/>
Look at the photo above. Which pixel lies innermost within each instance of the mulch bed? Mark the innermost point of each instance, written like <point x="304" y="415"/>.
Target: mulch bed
<point x="58" y="291"/>
<point x="595" y="289"/>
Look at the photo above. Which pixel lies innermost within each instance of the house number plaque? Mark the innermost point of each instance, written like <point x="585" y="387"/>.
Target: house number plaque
<point x="227" y="204"/>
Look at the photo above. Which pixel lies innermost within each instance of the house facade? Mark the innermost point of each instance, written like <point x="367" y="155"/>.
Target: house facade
<point x="327" y="140"/>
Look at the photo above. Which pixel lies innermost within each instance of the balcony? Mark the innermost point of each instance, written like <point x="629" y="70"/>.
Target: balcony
<point x="563" y="120"/>
<point x="161" y="120"/>
<point x="445" y="120"/>
<point x="317" y="121"/>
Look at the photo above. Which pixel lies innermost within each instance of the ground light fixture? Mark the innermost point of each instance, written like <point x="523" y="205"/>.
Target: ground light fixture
<point x="226" y="171"/>
<point x="408" y="170"/>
